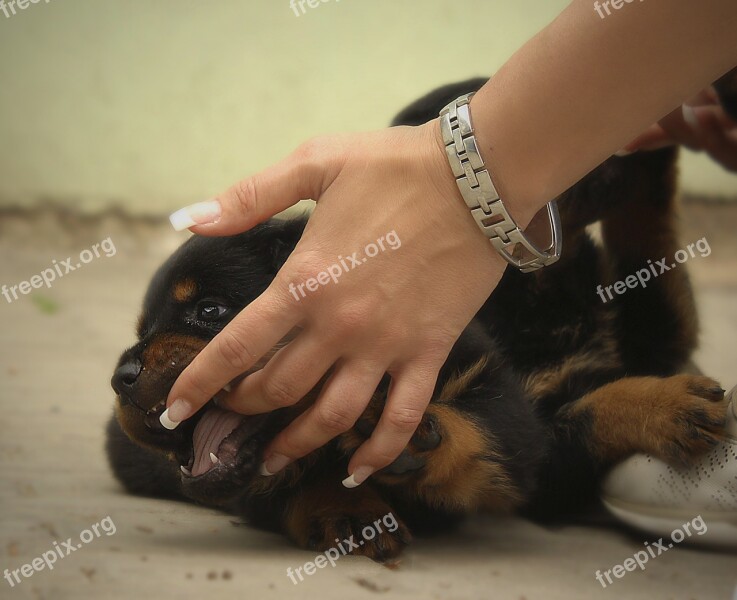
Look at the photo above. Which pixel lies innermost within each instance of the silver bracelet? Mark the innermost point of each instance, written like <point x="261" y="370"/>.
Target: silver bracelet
<point x="486" y="206"/>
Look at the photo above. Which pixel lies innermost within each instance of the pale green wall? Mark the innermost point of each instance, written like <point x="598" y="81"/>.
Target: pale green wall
<point x="152" y="104"/>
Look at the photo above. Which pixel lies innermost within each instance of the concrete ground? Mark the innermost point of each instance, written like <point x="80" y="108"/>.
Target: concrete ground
<point x="58" y="349"/>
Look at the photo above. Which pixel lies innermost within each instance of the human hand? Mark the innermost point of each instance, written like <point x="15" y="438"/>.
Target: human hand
<point x="700" y="124"/>
<point x="399" y="313"/>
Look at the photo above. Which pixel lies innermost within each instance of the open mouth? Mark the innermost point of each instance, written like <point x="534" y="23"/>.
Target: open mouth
<point x="212" y="439"/>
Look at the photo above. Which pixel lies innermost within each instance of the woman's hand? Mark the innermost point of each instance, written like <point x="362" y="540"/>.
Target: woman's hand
<point x="398" y="312"/>
<point x="700" y="124"/>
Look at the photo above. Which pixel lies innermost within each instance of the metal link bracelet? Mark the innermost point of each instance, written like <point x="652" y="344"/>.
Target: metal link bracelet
<point x="486" y="206"/>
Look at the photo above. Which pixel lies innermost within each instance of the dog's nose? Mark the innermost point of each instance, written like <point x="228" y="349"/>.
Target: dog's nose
<point x="125" y="376"/>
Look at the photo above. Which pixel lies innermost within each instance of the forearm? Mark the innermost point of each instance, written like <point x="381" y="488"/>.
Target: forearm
<point x="586" y="86"/>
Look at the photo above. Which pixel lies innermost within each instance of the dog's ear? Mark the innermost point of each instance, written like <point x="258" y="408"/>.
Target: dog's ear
<point x="285" y="235"/>
<point x="427" y="108"/>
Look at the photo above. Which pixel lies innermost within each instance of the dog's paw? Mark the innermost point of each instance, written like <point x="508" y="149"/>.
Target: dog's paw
<point x="368" y="529"/>
<point x="690" y="416"/>
<point x="427" y="438"/>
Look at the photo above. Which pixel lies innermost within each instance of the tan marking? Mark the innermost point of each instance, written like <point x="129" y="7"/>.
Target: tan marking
<point x="649" y="415"/>
<point x="328" y="504"/>
<point x="548" y="382"/>
<point x="601" y="355"/>
<point x="184" y="290"/>
<point x="170" y="352"/>
<point x="462" y="473"/>
<point x="458" y="383"/>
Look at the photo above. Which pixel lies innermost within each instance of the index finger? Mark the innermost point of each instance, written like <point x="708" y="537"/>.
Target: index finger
<point x="233" y="351"/>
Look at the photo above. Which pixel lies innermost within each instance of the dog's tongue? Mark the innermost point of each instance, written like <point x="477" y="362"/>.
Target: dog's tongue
<point x="214" y="426"/>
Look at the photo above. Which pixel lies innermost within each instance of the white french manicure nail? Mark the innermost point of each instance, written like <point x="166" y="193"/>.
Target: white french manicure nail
<point x="350" y="482"/>
<point x="273" y="464"/>
<point x="358" y="476"/>
<point x="167" y="422"/>
<point x="690" y="117"/>
<point x="202" y="213"/>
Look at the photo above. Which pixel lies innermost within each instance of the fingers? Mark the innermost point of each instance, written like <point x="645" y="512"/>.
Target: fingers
<point x="653" y="138"/>
<point x="342" y="401"/>
<point x="704" y="126"/>
<point x="232" y="352"/>
<point x="288" y="376"/>
<point x="673" y="128"/>
<point x="409" y="395"/>
<point x="305" y="174"/>
<point x="718" y="134"/>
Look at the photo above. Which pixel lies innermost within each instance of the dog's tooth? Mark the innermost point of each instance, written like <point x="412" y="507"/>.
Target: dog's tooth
<point x="227" y="388"/>
<point x="214" y="458"/>
<point x="186" y="471"/>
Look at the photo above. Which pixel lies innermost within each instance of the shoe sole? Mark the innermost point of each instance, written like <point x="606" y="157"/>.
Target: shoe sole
<point x="721" y="526"/>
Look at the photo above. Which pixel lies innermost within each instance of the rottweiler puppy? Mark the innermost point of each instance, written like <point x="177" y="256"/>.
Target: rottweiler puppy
<point x="547" y="388"/>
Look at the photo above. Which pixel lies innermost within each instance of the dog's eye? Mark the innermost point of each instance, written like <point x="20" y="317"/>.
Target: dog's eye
<point x="210" y="311"/>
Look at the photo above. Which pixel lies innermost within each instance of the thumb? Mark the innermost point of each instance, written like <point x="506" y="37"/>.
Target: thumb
<point x="305" y="174"/>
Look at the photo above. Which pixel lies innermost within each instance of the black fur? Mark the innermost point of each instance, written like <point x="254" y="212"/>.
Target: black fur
<point x="531" y="325"/>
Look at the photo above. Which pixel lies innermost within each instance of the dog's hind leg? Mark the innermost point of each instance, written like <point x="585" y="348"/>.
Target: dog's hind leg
<point x="676" y="419"/>
<point x="635" y="196"/>
<point x="656" y="311"/>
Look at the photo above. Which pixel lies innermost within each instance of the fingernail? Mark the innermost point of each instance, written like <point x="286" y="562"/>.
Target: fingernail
<point x="202" y="213"/>
<point x="358" y="476"/>
<point x="689" y="115"/>
<point x="274" y="464"/>
<point x="175" y="414"/>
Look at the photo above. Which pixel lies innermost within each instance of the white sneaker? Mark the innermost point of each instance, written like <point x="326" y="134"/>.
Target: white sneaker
<point x="649" y="494"/>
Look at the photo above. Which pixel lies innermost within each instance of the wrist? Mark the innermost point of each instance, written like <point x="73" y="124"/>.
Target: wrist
<point x="448" y="203"/>
<point x="488" y="209"/>
<point x="523" y="206"/>
<point x="523" y="199"/>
